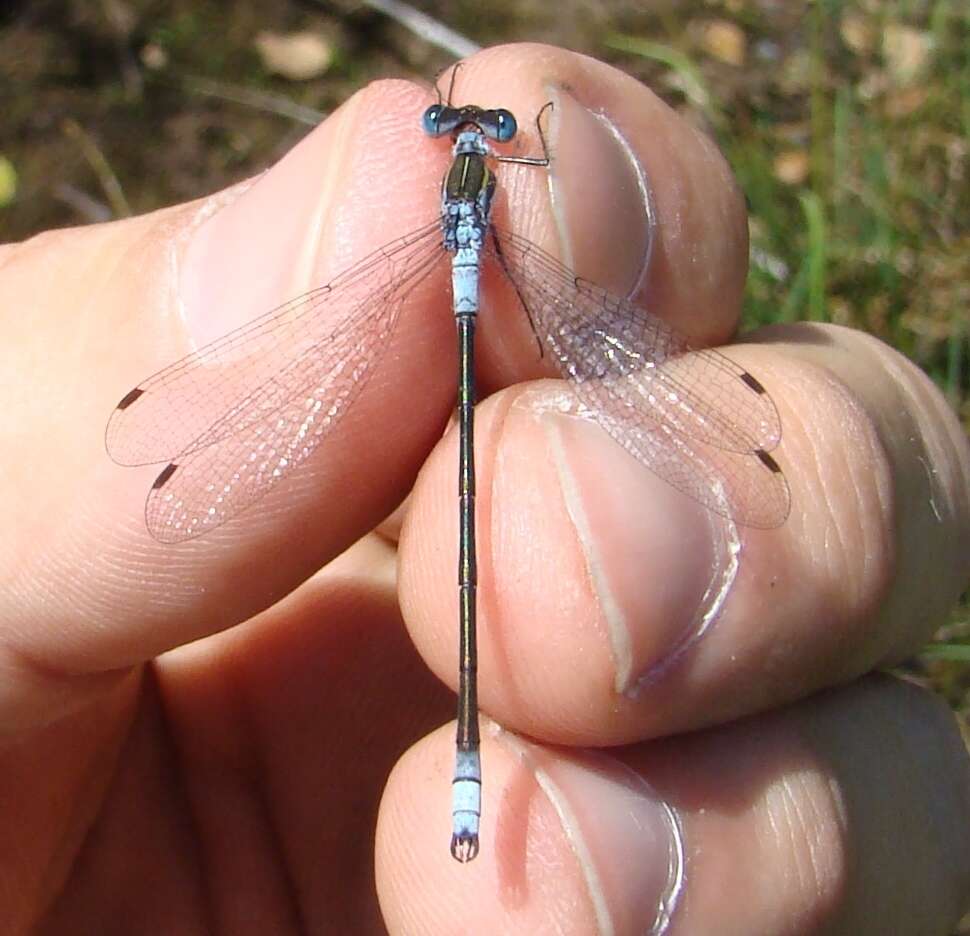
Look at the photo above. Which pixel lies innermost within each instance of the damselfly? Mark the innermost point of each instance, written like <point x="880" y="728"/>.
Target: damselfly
<point x="283" y="381"/>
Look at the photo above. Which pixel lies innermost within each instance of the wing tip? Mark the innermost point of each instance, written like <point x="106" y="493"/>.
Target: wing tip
<point x="112" y="429"/>
<point x="773" y="516"/>
<point x="768" y="461"/>
<point x="165" y="474"/>
<point x="129" y="398"/>
<point x="748" y="378"/>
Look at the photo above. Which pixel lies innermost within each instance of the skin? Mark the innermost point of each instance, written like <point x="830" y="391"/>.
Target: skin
<point x="245" y="733"/>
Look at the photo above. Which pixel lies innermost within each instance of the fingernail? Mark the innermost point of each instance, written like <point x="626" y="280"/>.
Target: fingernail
<point x="601" y="201"/>
<point x="660" y="563"/>
<point x="627" y="841"/>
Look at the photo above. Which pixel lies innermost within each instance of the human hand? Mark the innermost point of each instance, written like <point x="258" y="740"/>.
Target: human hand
<point x="166" y="770"/>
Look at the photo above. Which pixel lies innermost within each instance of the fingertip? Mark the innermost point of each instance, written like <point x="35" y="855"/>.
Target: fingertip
<point x="574" y="837"/>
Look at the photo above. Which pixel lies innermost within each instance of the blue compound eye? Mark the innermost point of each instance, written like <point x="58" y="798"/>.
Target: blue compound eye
<point x="505" y="126"/>
<point x="431" y="120"/>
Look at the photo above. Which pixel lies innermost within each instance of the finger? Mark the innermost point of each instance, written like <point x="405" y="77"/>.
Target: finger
<point x="241" y="758"/>
<point x="843" y="815"/>
<point x="91" y="590"/>
<point x="613" y="608"/>
<point x="634" y="198"/>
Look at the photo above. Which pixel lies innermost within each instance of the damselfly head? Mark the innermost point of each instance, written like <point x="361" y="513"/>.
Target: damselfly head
<point x="497" y="124"/>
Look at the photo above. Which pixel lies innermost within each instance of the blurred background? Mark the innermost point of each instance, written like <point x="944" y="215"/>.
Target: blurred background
<point x="846" y="123"/>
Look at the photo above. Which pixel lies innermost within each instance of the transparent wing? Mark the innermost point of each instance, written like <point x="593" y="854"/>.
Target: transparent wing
<point x="746" y="487"/>
<point x="231" y="384"/>
<point x="696" y="418"/>
<point x="263" y="430"/>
